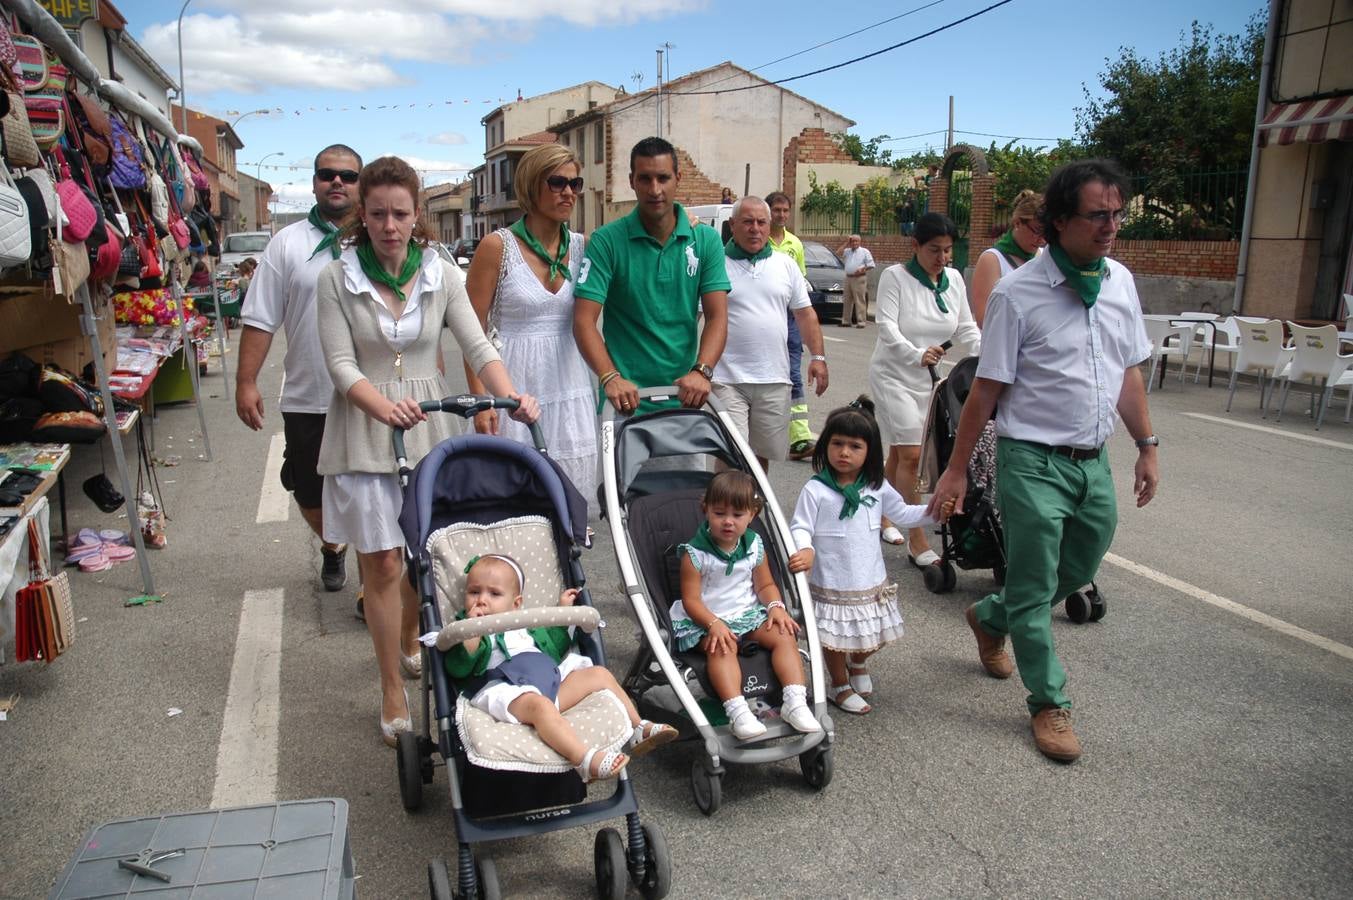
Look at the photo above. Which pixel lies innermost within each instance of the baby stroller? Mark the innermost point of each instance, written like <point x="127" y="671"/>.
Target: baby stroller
<point x="477" y="494"/>
<point x="651" y="510"/>
<point x="973" y="539"/>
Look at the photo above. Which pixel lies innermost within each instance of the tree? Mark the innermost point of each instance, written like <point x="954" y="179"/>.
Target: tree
<point x="866" y="153"/>
<point x="1017" y="168"/>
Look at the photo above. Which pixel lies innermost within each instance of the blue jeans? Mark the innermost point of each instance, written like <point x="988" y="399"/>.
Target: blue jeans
<point x="795" y="360"/>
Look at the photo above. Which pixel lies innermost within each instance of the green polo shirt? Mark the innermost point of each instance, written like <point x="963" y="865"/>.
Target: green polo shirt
<point x="652" y="293"/>
<point x="794" y="247"/>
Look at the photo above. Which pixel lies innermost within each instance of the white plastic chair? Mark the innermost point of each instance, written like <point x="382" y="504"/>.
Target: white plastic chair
<point x="1223" y="337"/>
<point x="1348" y="312"/>
<point x="1261" y="351"/>
<point x="1317" y="356"/>
<point x="1159" y="331"/>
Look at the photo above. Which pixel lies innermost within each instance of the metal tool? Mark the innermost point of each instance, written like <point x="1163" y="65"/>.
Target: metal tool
<point x="143" y="863"/>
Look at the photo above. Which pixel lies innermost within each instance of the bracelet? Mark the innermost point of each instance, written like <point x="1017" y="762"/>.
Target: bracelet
<point x="817" y="358"/>
<point x="608" y="377"/>
<point x="776" y="603"/>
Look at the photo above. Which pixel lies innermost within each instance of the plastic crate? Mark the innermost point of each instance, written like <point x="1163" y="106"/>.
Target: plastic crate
<point x="294" y="849"/>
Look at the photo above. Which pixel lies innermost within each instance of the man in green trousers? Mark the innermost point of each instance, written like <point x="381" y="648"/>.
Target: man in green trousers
<point x="1061" y="345"/>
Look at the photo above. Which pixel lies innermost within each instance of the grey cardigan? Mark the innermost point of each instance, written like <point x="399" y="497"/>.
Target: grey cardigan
<point x="355" y="349"/>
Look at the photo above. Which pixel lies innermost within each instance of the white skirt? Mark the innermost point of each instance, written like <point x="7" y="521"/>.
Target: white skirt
<point x="857" y="621"/>
<point x="362" y="509"/>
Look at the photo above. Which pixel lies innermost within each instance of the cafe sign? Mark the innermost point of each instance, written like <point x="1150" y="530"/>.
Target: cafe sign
<point x="71" y="13"/>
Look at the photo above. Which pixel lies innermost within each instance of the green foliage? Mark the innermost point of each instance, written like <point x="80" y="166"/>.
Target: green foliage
<point x="831" y="200"/>
<point x="880" y="199"/>
<point x="1017" y="168"/>
<point x="922" y="161"/>
<point x="866" y="153"/>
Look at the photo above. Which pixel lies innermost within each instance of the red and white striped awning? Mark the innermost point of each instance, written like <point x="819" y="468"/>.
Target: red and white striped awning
<point x="1308" y="122"/>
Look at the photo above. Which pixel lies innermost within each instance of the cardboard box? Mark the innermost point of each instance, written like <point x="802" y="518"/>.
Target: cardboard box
<point x="32" y="315"/>
<point x="73" y="354"/>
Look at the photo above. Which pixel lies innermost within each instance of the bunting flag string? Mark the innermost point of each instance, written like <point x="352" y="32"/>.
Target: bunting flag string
<point x="359" y="107"/>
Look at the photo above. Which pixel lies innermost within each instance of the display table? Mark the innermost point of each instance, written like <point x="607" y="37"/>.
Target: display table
<point x="157" y="364"/>
<point x="51" y="460"/>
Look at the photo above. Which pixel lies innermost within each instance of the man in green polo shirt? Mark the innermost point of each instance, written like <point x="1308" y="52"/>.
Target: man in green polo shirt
<point x="654" y="272"/>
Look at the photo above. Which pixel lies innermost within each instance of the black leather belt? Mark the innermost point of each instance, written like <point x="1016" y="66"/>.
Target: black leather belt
<point x="1075" y="453"/>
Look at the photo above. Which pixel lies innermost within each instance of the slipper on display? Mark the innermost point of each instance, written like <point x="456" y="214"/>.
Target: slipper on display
<point x="113" y="536"/>
<point x="927" y="558"/>
<point x="891" y="535"/>
<point x="118" y="552"/>
<point x="96" y="562"/>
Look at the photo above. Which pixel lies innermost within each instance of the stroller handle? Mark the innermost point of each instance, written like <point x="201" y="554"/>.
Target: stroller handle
<point x="465" y="405"/>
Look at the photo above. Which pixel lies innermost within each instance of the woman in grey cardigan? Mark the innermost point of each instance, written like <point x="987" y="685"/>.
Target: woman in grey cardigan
<point x="379" y="308"/>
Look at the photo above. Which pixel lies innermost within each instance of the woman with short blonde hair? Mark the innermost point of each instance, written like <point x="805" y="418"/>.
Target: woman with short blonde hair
<point x="1013" y="249"/>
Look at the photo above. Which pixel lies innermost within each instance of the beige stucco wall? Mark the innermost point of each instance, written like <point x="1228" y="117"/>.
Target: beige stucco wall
<point x="535" y="114"/>
<point x="722" y="132"/>
<point x="1315" y="55"/>
<point x="848" y="174"/>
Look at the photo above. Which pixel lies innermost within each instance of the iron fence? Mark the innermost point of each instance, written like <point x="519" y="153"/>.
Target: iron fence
<point x="1186" y="206"/>
<point x="855" y="218"/>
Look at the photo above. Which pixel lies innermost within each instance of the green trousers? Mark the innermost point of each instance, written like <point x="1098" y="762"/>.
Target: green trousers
<point x="1059" y="516"/>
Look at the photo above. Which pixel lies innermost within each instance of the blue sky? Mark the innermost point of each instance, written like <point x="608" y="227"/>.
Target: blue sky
<point x="1016" y="70"/>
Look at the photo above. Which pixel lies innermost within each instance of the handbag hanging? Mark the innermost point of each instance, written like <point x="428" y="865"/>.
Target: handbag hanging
<point x="149" y="512"/>
<point x="80" y="215"/>
<point x="44" y="80"/>
<point x="19" y="147"/>
<point x="16" y="243"/>
<point x="44" y="612"/>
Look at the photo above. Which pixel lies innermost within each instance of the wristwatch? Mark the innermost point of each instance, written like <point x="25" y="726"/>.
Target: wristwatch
<point x="1145" y="442"/>
<point x="703" y="370"/>
<point x="816" y="358"/>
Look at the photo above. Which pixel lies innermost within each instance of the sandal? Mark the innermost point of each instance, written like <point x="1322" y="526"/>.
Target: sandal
<point x="649" y="736"/>
<point x="926" y="558"/>
<point x="411" y="666"/>
<point x="854" y="704"/>
<point x="390" y="730"/>
<point x="891" y="535"/>
<point x="612" y="763"/>
<point x="861" y="682"/>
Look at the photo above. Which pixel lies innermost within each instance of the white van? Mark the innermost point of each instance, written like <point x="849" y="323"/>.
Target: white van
<point x="714" y="215"/>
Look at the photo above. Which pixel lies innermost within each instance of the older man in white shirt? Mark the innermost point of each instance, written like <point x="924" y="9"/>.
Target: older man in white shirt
<point x="751" y="378"/>
<point x="1061" y="346"/>
<point x="858" y="261"/>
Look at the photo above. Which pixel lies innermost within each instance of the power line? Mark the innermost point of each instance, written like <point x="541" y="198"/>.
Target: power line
<point x="1013" y="137"/>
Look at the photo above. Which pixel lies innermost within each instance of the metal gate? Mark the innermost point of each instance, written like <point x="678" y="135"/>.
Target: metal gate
<point x="960" y="210"/>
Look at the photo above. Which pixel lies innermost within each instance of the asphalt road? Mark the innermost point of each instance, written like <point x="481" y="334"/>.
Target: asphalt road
<point x="1216" y="736"/>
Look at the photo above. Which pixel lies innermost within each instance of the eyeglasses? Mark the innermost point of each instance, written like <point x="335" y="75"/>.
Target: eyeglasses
<point x="1033" y="225"/>
<point x="557" y="183"/>
<point x="1099" y="218"/>
<point x="348" y="175"/>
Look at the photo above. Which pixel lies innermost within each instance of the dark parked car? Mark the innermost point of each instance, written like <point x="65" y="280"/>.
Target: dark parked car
<point x="826" y="281"/>
<point x="463" y="248"/>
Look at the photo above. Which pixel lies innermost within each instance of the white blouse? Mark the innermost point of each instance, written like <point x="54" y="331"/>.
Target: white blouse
<point x="846" y="552"/>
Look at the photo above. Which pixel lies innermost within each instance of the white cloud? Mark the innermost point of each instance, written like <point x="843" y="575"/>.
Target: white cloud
<point x="450" y="138"/>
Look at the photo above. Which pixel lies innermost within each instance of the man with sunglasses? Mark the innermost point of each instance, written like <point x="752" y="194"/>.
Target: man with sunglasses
<point x="1061" y="346"/>
<point x="282" y="295"/>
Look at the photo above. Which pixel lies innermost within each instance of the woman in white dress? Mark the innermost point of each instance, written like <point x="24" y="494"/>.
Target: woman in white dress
<point x="920" y="306"/>
<point x="379" y="308"/>
<point x="1011" y="250"/>
<point x="521" y="285"/>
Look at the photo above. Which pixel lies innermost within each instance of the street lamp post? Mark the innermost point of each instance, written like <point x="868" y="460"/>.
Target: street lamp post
<point x="183" y="94"/>
<point x="252" y="112"/>
<point x="259" y="177"/>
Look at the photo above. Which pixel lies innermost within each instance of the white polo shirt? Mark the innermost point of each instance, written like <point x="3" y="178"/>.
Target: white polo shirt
<point x="282" y="295"/>
<point x="763" y="291"/>
<point x="1064" y="363"/>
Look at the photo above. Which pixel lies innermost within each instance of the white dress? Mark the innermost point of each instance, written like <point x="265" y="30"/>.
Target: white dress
<point x="909" y="320"/>
<point x="533" y="331"/>
<point x="856" y="607"/>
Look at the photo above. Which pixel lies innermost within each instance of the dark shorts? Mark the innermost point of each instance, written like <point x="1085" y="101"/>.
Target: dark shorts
<point x="300" y="460"/>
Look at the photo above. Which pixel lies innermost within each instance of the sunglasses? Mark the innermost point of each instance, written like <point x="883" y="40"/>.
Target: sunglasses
<point x="557" y="183"/>
<point x="348" y="175"/>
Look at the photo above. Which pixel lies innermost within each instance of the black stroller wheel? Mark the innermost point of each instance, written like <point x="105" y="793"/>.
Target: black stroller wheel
<point x="410" y="762"/>
<point x="1099" y="607"/>
<point x="608" y="861"/>
<point x="950" y="576"/>
<point x="656" y="882"/>
<point x="816" y="766"/>
<point x="933" y="575"/>
<point x="1078" y="607"/>
<point x="439" y="880"/>
<point x="488" y="879"/>
<point x="707" y="787"/>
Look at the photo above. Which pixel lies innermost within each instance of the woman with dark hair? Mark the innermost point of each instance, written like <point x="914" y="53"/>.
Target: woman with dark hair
<point x="380" y="308"/>
<point x="921" y="306"/>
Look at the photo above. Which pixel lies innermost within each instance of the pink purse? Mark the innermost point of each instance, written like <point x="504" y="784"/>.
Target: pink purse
<point x="80" y="215"/>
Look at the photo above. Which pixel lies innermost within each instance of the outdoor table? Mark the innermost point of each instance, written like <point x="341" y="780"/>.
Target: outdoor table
<point x="1206" y="319"/>
<point x="51" y="476"/>
<point x="211" y="303"/>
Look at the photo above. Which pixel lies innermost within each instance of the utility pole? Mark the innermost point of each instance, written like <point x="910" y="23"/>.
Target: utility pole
<point x="659" y="93"/>
<point x="949" y="135"/>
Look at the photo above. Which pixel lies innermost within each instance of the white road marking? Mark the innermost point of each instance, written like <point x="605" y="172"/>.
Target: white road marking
<point x="274" y="503"/>
<point x="1231" y="606"/>
<point x="834" y="340"/>
<point x="246" y="761"/>
<point x="1267" y="430"/>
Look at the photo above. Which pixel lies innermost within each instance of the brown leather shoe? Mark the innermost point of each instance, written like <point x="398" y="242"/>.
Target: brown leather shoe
<point x="990" y="650"/>
<point x="1053" y="734"/>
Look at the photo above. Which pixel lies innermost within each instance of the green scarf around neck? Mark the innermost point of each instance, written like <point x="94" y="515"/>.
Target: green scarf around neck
<point x="1007" y="244"/>
<point x="851" y="492"/>
<point x="559" y="262"/>
<point x="331" y="233"/>
<point x="703" y="540"/>
<point x="733" y="251"/>
<point x="1084" y="280"/>
<point x="373" y="269"/>
<point x="921" y="275"/>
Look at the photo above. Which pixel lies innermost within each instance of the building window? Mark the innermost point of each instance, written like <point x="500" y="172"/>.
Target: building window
<point x="601" y="207"/>
<point x="582" y="218"/>
<point x="564" y="139"/>
<point x="599" y="143"/>
<point x="582" y="144"/>
<point x="493" y="179"/>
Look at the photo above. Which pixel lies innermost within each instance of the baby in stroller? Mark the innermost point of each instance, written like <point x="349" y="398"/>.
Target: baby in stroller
<point x="530" y="676"/>
<point x="728" y="595"/>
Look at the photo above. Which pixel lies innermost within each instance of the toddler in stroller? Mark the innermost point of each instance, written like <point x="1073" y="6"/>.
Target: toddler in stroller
<point x="531" y="676"/>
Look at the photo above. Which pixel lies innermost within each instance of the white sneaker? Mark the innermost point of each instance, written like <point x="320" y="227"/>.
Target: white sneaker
<point x="746" y="726"/>
<point x="800" y="718"/>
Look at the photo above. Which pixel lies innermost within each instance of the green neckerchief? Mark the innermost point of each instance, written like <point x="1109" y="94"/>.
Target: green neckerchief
<point x="851" y="492"/>
<point x="1084" y="280"/>
<point x="559" y="263"/>
<point x="1006" y="244"/>
<point x="376" y="272"/>
<point x="733" y="251"/>
<point x="703" y="540"/>
<point x="331" y="233"/>
<point x="923" y="276"/>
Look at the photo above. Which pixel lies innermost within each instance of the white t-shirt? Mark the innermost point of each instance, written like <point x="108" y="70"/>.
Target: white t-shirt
<point x="757" y="351"/>
<point x="282" y="295"/>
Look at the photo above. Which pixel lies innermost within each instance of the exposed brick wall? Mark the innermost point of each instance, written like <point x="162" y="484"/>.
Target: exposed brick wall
<point x="1215" y="260"/>
<point x="886" y="248"/>
<point x="696" y="188"/>
<point x="812" y="145"/>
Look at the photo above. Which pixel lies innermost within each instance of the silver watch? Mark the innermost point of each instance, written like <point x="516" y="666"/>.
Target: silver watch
<point x="1145" y="442"/>
<point x="817" y="358"/>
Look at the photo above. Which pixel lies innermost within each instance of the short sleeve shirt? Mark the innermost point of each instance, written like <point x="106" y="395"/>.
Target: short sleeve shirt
<point x="792" y="246"/>
<point x="651" y="293"/>
<point x="763" y="292"/>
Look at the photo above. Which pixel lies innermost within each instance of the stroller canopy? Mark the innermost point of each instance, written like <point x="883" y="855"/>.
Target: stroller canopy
<point x="484" y="479"/>
<point x="670" y="433"/>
